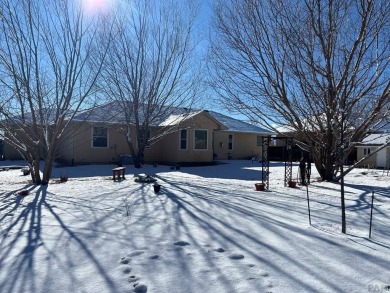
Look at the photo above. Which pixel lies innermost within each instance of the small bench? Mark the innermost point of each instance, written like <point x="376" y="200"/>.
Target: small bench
<point x="118" y="172"/>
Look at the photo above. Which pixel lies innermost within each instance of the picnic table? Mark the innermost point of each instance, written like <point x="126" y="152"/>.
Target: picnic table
<point x="118" y="173"/>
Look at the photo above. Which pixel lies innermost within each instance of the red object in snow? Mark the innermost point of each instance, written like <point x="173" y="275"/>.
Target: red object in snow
<point x="23" y="193"/>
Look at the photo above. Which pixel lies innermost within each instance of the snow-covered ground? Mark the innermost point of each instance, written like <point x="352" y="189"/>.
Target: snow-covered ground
<point x="207" y="230"/>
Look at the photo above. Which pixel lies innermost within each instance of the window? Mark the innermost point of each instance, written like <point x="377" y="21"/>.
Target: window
<point x="200" y="139"/>
<point x="366" y="151"/>
<point x="259" y="141"/>
<point x="100" y="137"/>
<point x="183" y="139"/>
<point x="230" y="142"/>
<point x="273" y="140"/>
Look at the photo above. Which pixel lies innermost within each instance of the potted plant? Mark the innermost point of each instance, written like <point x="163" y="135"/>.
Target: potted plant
<point x="23" y="192"/>
<point x="26" y="171"/>
<point x="156" y="187"/>
<point x="260" y="186"/>
<point x="63" y="177"/>
<point x="292" y="184"/>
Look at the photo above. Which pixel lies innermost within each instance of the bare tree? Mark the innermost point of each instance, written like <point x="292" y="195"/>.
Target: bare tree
<point x="48" y="69"/>
<point x="318" y="67"/>
<point x="151" y="68"/>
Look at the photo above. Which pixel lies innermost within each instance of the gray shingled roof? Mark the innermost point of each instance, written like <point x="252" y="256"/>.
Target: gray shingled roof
<point x="113" y="113"/>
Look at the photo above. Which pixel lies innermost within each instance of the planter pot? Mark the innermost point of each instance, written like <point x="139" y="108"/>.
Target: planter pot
<point x="259" y="186"/>
<point x="292" y="184"/>
<point x="156" y="188"/>
<point x="23" y="192"/>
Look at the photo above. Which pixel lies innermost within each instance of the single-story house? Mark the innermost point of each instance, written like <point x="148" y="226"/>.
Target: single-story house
<point x="184" y="135"/>
<point x="379" y="160"/>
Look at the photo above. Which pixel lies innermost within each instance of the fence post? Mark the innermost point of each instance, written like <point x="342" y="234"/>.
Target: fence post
<point x="372" y="207"/>
<point x="308" y="204"/>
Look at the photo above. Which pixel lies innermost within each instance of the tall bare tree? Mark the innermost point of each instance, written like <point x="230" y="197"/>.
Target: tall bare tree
<point x="48" y="69"/>
<point x="319" y="67"/>
<point x="151" y="68"/>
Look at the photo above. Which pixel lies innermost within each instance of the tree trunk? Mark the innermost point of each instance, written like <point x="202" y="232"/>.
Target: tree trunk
<point x="47" y="169"/>
<point x="325" y="164"/>
<point x="35" y="163"/>
<point x="139" y="157"/>
<point x="135" y="157"/>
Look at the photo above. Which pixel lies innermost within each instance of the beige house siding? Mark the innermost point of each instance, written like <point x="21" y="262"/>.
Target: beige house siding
<point x="372" y="161"/>
<point x="244" y="145"/>
<point x="168" y="150"/>
<point x="77" y="146"/>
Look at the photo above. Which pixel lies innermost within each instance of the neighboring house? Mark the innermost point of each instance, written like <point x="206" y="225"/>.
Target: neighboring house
<point x="379" y="160"/>
<point x="185" y="136"/>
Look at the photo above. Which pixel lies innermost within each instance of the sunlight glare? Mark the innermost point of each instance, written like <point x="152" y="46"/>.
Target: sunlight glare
<point x="97" y="6"/>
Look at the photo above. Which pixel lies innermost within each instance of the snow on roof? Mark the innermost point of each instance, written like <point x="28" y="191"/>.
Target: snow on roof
<point x="236" y="125"/>
<point x="174" y="119"/>
<point x="376" y="139"/>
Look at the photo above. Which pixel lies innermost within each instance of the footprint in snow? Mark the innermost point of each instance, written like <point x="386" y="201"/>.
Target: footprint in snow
<point x="236" y="256"/>
<point x="155" y="256"/>
<point x="126" y="270"/>
<point x="132" y="279"/>
<point x="141" y="288"/>
<point x="219" y="250"/>
<point x="181" y="243"/>
<point x="125" y="260"/>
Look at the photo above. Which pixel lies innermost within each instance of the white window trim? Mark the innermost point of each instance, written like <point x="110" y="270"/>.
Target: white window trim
<point x="231" y="134"/>
<point x="108" y="137"/>
<point x="186" y="139"/>
<point x="366" y="151"/>
<point x="207" y="144"/>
